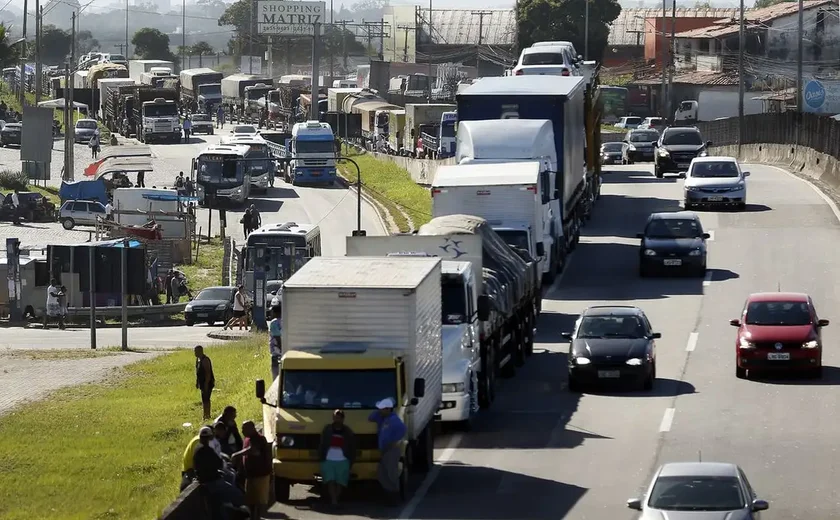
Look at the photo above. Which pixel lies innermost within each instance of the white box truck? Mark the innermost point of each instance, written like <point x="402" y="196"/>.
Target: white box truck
<point x="136" y="68"/>
<point x="512" y="197"/>
<point x="356" y="330"/>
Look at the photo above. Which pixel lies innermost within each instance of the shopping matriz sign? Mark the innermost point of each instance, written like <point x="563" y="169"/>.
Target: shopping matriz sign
<point x="287" y="18"/>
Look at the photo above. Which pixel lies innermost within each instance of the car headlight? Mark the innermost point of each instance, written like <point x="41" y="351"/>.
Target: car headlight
<point x="744" y="344"/>
<point x="631" y="148"/>
<point x="287" y="441"/>
<point x="662" y="152"/>
<point x="221" y="307"/>
<point x="704" y="153"/>
<point x="188" y="308"/>
<point x="238" y="191"/>
<point x="695" y="252"/>
<point x="582" y="360"/>
<point x="453" y="388"/>
<point x="811" y="344"/>
<point x="650" y="252"/>
<point x="634" y="362"/>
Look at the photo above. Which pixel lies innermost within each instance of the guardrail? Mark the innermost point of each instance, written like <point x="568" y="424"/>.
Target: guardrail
<point x="820" y="133"/>
<point x="134" y="311"/>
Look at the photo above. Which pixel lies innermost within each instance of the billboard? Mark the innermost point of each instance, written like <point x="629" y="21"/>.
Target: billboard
<point x="821" y="96"/>
<point x="289" y="18"/>
<point x="250" y="64"/>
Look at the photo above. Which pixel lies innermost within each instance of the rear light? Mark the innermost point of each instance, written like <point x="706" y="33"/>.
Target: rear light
<point x="566" y="72"/>
<point x="532" y="189"/>
<point x="436" y="191"/>
<point x="519" y="72"/>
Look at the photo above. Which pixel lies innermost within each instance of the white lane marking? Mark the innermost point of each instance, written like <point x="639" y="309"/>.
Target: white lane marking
<point x="707" y="280"/>
<point x="711" y="233"/>
<point x="823" y="196"/>
<point x="667" y="420"/>
<point x="418" y="497"/>
<point x="692" y="342"/>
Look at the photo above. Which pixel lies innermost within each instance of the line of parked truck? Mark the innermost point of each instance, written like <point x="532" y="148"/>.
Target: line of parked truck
<point x="432" y="319"/>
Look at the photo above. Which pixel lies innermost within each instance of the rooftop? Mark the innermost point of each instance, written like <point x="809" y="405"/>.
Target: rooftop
<point x="461" y="26"/>
<point x="699" y="469"/>
<point x="630" y="25"/>
<point x="756" y="19"/>
<point x="697" y="77"/>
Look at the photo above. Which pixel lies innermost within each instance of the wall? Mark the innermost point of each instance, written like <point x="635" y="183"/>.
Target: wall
<point x="781" y="40"/>
<point x="618" y="55"/>
<point x="422" y="171"/>
<point x="188" y="506"/>
<point x="653" y="45"/>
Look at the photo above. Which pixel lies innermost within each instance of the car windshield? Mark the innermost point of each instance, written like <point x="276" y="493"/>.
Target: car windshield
<point x="654" y="121"/>
<point x="244" y="130"/>
<point x="612" y="147"/>
<point x="682" y="137"/>
<point x="644" y="137"/>
<point x="714" y="169"/>
<point x="627" y="326"/>
<point x="633" y="120"/>
<point x="332" y="389"/>
<point x="200" y="117"/>
<point x="543" y="58"/>
<point x="706" y="493"/>
<point x="214" y="294"/>
<point x="778" y="313"/>
<point x="673" y="228"/>
<point x="91" y="125"/>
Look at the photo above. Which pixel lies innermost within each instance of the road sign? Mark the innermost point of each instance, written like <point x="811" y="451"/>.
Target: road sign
<point x="289" y="18"/>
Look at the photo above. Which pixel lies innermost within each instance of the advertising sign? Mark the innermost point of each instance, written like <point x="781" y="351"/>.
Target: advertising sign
<point x="821" y="96"/>
<point x="288" y="18"/>
<point x="250" y="64"/>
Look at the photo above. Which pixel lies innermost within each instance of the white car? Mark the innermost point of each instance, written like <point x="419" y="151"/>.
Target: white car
<point x="629" y="122"/>
<point x="712" y="181"/>
<point x="547" y="61"/>
<point x="244" y="131"/>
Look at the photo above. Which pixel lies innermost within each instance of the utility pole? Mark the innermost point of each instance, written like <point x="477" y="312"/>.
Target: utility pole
<point x="68" y="140"/>
<point x="22" y="82"/>
<point x="122" y="48"/>
<point x="672" y="62"/>
<point x="663" y="94"/>
<point x="741" y="78"/>
<point x="250" y="35"/>
<point x="481" y="15"/>
<point x="184" y="34"/>
<point x="332" y="33"/>
<point x="39" y="75"/>
<point x="586" y="31"/>
<point x="406" y="29"/>
<point x="382" y="38"/>
<point x="68" y="108"/>
<point x="314" y="115"/>
<point x="800" y="35"/>
<point x="270" y="57"/>
<point x="126" y="30"/>
<point x="431" y="45"/>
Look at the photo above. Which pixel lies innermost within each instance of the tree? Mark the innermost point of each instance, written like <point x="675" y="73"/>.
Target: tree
<point x="55" y="45"/>
<point x="8" y="54"/>
<point x="546" y="20"/>
<point x="85" y="42"/>
<point x="151" y="44"/>
<point x="201" y="48"/>
<point x="760" y="4"/>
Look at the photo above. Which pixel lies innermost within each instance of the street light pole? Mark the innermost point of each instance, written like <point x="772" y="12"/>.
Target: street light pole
<point x="183" y="34"/>
<point x="22" y="82"/>
<point x="586" y="32"/>
<point x="358" y="231"/>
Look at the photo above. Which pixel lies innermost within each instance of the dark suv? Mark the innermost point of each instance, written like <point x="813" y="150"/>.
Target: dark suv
<point x="676" y="148"/>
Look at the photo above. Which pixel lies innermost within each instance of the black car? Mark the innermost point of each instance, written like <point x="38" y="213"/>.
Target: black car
<point x="639" y="145"/>
<point x="11" y="134"/>
<point x="612" y="344"/>
<point x="34" y="207"/>
<point x="673" y="242"/>
<point x="611" y="153"/>
<point x="676" y="148"/>
<point x="210" y="305"/>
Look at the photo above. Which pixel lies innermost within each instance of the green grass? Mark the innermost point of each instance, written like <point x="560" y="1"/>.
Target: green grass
<point x="206" y="270"/>
<point x="112" y="450"/>
<point x="391" y="186"/>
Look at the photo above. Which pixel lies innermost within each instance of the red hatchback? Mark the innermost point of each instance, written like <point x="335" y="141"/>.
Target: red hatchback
<point x="778" y="331"/>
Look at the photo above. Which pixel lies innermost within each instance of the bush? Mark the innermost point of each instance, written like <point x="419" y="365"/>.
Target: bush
<point x="12" y="180"/>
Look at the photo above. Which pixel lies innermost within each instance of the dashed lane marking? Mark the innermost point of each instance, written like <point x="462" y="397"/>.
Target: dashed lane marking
<point x="667" y="420"/>
<point x="692" y="342"/>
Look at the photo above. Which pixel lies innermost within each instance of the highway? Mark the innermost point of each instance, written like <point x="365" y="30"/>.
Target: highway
<point x="544" y="453"/>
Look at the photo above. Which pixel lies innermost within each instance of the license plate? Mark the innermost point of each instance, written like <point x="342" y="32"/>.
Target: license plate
<point x="715" y="199"/>
<point x="683" y="165"/>
<point x="202" y="314"/>
<point x="316" y="174"/>
<point x="672" y="261"/>
<point x="778" y="356"/>
<point x="609" y="374"/>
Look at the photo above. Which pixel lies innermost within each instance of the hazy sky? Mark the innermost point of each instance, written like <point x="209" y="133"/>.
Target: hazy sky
<point x="452" y="4"/>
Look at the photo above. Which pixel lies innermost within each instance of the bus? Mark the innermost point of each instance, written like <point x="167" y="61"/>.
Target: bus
<point x="261" y="165"/>
<point x="222" y="173"/>
<point x="614" y="103"/>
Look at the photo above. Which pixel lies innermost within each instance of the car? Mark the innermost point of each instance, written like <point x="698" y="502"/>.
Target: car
<point x="244" y="130"/>
<point x="211" y="305"/>
<point x="778" y="331"/>
<point x="655" y="123"/>
<point x="34" y="207"/>
<point x="547" y="60"/>
<point x="629" y="122"/>
<point x="610" y="344"/>
<point x="715" y="181"/>
<point x="699" y="491"/>
<point x="80" y="212"/>
<point x="202" y="124"/>
<point x="676" y="148"/>
<point x="611" y="153"/>
<point x="273" y="296"/>
<point x="84" y="130"/>
<point x="639" y="145"/>
<point x="673" y="242"/>
<point x="570" y="45"/>
<point x="10" y="134"/>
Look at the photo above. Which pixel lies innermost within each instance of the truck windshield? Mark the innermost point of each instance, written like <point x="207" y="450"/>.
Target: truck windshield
<point x="255" y="94"/>
<point x="166" y="110"/>
<point x="514" y="238"/>
<point x="332" y="389"/>
<point x="314" y="146"/>
<point x="447" y="131"/>
<point x="210" y="90"/>
<point x="454" y="301"/>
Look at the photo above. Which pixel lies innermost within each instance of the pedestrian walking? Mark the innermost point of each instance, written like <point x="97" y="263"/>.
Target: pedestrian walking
<point x="256" y="219"/>
<point x="167" y="285"/>
<point x="141" y="179"/>
<point x="94" y="145"/>
<point x="220" y="117"/>
<point x="205" y="380"/>
<point x="180" y="182"/>
<point x="187" y="128"/>
<point x="189" y="187"/>
<point x="109" y="211"/>
<point x="16" y="207"/>
<point x="390" y="431"/>
<point x="240" y="309"/>
<point x="246" y="222"/>
<point x="62" y="303"/>
<point x="275" y="330"/>
<point x="257" y="463"/>
<point x="53" y="306"/>
<point x="337" y="451"/>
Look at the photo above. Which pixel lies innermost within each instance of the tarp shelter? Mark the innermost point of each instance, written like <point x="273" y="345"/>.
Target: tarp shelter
<point x="127" y="158"/>
<point x="60" y="103"/>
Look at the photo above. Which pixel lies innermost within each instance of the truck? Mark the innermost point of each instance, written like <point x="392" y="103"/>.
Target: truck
<point x="136" y="68"/>
<point x="356" y="331"/>
<point x="80" y="79"/>
<point x="459" y="318"/>
<point x="439" y="141"/>
<point x="518" y="141"/>
<point x="105" y="71"/>
<point x="396" y="129"/>
<point x="561" y="100"/>
<point x="201" y="89"/>
<point x="312" y="152"/>
<point x="417" y="114"/>
<point x="155" y="78"/>
<point x="233" y="87"/>
<point x="512" y="197"/>
<point x="106" y="86"/>
<point x="336" y="97"/>
<point x="255" y="112"/>
<point x="155" y="114"/>
<point x="712" y="105"/>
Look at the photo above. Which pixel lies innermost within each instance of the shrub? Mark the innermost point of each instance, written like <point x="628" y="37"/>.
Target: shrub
<point x="12" y="180"/>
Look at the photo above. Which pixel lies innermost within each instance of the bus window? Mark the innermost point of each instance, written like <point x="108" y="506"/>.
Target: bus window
<point x="229" y="169"/>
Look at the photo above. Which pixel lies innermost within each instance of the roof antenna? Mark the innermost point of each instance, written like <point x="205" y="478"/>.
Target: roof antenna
<point x="699" y="455"/>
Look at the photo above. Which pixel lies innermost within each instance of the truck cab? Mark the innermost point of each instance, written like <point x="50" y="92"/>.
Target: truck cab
<point x="160" y="121"/>
<point x="686" y="112"/>
<point x="209" y="97"/>
<point x="313" y="152"/>
<point x="221" y="174"/>
<point x="253" y="95"/>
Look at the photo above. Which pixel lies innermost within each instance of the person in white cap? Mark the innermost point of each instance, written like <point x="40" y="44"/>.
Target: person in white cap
<point x="390" y="431"/>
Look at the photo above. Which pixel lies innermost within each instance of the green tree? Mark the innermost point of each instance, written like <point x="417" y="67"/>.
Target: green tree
<point x="201" y="48"/>
<point x="546" y="20"/>
<point x="85" y="42"/>
<point x="759" y="4"/>
<point x="8" y="54"/>
<point x="151" y="44"/>
<point x="55" y="45"/>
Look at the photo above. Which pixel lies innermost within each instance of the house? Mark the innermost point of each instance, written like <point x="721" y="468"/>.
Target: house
<point x="658" y="29"/>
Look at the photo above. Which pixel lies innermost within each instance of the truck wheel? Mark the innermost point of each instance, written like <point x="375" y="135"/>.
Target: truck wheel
<point x="487" y="381"/>
<point x="282" y="490"/>
<point x="424" y="456"/>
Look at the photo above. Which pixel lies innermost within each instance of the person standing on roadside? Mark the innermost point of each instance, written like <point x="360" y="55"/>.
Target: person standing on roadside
<point x="94" y="145"/>
<point x="247" y="222"/>
<point x="205" y="380"/>
<point x="275" y="331"/>
<point x="240" y="308"/>
<point x="337" y="451"/>
<point x="256" y="460"/>
<point x="390" y="431"/>
<point x="256" y="219"/>
<point x="220" y="117"/>
<point x="233" y="439"/>
<point x="141" y="179"/>
<point x="187" y="128"/>
<point x="53" y="307"/>
<point x="16" y="206"/>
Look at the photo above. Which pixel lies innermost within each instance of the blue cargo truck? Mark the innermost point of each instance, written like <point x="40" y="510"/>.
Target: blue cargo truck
<point x="562" y="101"/>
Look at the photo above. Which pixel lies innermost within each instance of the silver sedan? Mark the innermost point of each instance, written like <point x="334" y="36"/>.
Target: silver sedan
<point x="699" y="491"/>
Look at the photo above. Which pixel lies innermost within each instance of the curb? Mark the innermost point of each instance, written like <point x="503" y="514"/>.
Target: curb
<point x="229" y="335"/>
<point x="377" y="208"/>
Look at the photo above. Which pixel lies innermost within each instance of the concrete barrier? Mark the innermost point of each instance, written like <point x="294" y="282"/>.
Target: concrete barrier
<point x="188" y="506"/>
<point x="422" y="171"/>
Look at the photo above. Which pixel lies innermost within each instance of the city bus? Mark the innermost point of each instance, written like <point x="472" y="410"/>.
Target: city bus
<point x="221" y="172"/>
<point x="261" y="166"/>
<point x="614" y="103"/>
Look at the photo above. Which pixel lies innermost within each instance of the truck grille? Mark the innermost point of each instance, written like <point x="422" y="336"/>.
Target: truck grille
<point x="312" y="441"/>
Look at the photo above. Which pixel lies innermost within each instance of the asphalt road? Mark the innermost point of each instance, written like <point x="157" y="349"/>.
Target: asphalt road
<point x="544" y="453"/>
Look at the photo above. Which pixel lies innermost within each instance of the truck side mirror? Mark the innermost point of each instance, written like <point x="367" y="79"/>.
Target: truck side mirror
<point x="260" y="389"/>
<point x="540" y="249"/>
<point x="483" y="310"/>
<point x="419" y="388"/>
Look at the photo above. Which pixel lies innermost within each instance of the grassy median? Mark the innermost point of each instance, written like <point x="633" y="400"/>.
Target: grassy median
<point x="113" y="450"/>
<point x="392" y="187"/>
<point x="206" y="269"/>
